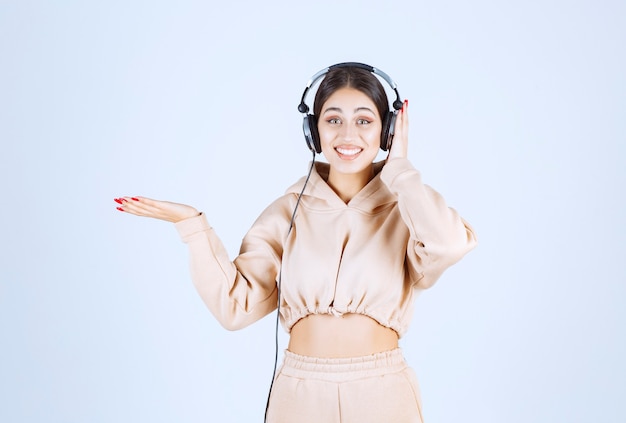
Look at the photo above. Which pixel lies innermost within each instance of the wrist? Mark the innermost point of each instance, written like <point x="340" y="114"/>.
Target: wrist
<point x="185" y="216"/>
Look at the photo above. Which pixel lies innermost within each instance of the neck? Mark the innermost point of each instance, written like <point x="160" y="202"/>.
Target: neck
<point x="346" y="186"/>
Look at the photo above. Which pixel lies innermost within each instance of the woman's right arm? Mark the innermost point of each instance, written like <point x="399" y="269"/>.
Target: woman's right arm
<point x="237" y="292"/>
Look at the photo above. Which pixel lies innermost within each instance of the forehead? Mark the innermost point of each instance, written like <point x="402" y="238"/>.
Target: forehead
<point x="349" y="97"/>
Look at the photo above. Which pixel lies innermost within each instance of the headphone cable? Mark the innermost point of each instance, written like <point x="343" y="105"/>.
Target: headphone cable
<point x="278" y="289"/>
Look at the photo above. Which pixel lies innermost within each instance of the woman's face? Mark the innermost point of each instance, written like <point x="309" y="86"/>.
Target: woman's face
<point x="349" y="128"/>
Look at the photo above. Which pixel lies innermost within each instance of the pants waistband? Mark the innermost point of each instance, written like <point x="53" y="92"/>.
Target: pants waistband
<point x="343" y="369"/>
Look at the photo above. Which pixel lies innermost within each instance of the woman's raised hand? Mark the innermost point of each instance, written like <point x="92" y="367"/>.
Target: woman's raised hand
<point x="163" y="210"/>
<point x="400" y="145"/>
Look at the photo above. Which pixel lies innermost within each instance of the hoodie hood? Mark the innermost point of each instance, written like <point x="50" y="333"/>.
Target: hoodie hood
<point x="319" y="195"/>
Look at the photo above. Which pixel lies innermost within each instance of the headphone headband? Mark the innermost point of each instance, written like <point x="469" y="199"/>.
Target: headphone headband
<point x="303" y="108"/>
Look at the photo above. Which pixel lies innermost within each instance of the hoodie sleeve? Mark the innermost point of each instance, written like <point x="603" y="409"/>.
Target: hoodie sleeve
<point x="439" y="237"/>
<point x="241" y="291"/>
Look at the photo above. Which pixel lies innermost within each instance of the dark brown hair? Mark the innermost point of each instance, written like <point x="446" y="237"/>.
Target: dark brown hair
<point x="352" y="77"/>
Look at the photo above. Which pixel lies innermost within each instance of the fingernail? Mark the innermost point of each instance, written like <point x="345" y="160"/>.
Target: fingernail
<point x="133" y="198"/>
<point x="118" y="201"/>
<point x="120" y="209"/>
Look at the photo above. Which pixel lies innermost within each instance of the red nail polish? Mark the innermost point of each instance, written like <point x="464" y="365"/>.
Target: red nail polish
<point x="120" y="209"/>
<point x="118" y="201"/>
<point x="133" y="198"/>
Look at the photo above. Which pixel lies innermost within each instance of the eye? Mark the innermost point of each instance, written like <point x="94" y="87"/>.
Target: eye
<point x="363" y="122"/>
<point x="333" y="121"/>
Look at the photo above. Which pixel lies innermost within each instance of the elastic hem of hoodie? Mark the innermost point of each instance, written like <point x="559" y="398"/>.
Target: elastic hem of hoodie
<point x="289" y="317"/>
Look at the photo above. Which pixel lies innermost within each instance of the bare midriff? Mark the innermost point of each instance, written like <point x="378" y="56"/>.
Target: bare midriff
<point x="349" y="335"/>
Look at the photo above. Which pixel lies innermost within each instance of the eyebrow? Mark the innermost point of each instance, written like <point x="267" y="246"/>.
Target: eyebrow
<point x="338" y="109"/>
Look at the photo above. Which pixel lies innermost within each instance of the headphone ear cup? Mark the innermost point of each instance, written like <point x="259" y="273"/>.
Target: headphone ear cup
<point x="311" y="135"/>
<point x="388" y="130"/>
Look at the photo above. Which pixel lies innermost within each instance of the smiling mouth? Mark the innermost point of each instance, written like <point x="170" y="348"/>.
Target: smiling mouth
<point x="348" y="152"/>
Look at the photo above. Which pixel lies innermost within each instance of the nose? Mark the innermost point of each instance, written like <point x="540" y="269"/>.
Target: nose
<point x="348" y="132"/>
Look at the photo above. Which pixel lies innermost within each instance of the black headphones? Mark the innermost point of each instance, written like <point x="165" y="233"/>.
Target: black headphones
<point x="309" y="125"/>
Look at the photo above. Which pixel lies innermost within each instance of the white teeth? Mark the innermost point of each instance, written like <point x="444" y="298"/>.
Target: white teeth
<point x="348" y="151"/>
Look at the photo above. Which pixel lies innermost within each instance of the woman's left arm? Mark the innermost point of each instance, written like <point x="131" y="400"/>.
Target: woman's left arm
<point x="439" y="236"/>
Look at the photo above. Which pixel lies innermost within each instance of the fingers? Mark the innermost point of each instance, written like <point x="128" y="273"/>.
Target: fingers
<point x="402" y="121"/>
<point x="399" y="146"/>
<point x="135" y="205"/>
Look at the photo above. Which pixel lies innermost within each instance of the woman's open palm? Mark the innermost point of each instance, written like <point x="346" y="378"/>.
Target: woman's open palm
<point x="156" y="209"/>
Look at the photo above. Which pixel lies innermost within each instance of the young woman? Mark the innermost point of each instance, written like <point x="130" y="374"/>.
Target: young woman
<point x="344" y="252"/>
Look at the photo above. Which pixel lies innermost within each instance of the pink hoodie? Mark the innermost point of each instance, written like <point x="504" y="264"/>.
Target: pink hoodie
<point x="370" y="256"/>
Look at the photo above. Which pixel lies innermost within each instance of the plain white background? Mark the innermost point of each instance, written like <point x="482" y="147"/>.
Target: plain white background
<point x="517" y="118"/>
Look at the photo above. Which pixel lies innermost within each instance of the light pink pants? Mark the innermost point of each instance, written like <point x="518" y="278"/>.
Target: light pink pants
<point x="379" y="388"/>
